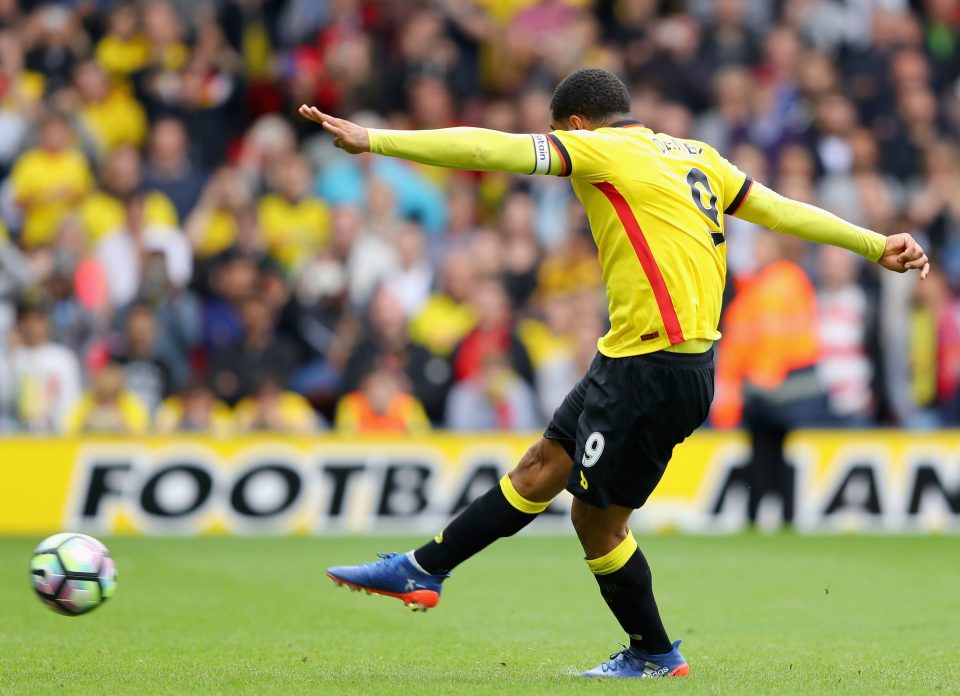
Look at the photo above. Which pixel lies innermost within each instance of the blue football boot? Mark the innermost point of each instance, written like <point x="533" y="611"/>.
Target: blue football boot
<point x="630" y="662"/>
<point x="394" y="575"/>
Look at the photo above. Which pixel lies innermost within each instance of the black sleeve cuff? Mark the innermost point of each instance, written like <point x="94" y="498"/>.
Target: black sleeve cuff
<point x="564" y="155"/>
<point x="739" y="198"/>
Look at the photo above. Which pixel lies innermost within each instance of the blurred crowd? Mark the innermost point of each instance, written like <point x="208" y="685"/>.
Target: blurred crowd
<point x="179" y="252"/>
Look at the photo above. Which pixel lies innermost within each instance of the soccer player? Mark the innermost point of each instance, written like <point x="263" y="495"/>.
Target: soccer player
<point x="656" y="205"/>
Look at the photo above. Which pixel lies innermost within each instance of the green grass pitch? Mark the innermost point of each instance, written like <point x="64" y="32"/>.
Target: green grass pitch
<point x="758" y="615"/>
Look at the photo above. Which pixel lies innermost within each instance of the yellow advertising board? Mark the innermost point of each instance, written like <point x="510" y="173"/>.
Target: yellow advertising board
<point x="894" y="481"/>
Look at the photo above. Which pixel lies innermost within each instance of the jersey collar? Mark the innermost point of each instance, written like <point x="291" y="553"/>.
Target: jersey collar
<point x="627" y="123"/>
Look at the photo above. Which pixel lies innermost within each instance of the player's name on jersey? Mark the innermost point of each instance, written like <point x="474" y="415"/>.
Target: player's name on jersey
<point x="667" y="144"/>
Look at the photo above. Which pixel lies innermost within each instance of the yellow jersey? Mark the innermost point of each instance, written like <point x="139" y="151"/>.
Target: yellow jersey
<point x="122" y="57"/>
<point x="655" y="205"/>
<point x="128" y="415"/>
<point x="294" y="231"/>
<point x="101" y="213"/>
<point x="47" y="185"/>
<point x="117" y="120"/>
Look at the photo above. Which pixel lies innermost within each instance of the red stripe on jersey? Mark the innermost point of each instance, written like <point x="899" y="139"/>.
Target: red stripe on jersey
<point x="649" y="264"/>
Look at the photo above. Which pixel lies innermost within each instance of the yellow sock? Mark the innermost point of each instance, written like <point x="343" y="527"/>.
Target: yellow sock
<point x="518" y="501"/>
<point x="616" y="559"/>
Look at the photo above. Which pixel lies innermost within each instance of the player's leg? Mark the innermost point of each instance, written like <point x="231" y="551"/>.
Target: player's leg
<point x="621" y="572"/>
<point x="416" y="576"/>
<point x="502" y="511"/>
<point x="522" y="495"/>
<point x="635" y="411"/>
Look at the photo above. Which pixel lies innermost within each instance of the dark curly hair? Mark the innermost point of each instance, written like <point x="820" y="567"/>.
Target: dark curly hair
<point x="594" y="93"/>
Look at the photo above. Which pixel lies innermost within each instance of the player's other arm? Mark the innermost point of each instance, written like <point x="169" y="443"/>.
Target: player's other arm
<point x="760" y="205"/>
<point x="476" y="149"/>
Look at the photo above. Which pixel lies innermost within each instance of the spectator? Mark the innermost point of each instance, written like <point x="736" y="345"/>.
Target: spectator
<point x="208" y="94"/>
<point x="561" y="347"/>
<point x="107" y="407"/>
<point x="317" y="308"/>
<point x="494" y="333"/>
<point x="447" y="315"/>
<point x="109" y="115"/>
<point x="165" y="35"/>
<point x="224" y="217"/>
<point x="766" y="366"/>
<point x="844" y="366"/>
<point x="372" y="256"/>
<point x="381" y="406"/>
<point x="124" y="50"/>
<point x="16" y="273"/>
<point x="196" y="410"/>
<point x="728" y="122"/>
<point x="412" y="280"/>
<point x="269" y="140"/>
<point x="146" y="372"/>
<point x="386" y="344"/>
<point x="73" y="256"/>
<point x="942" y="39"/>
<point x="915" y="130"/>
<point x="21" y="92"/>
<point x="493" y="398"/>
<point x="176" y="311"/>
<point x="71" y="324"/>
<point x="934" y="208"/>
<point x="295" y="225"/>
<point x="169" y="169"/>
<point x="48" y="181"/>
<point x="571" y="268"/>
<point x="233" y="277"/>
<point x="235" y="367"/>
<point x="142" y="253"/>
<point x="40" y="380"/>
<point x="521" y="253"/>
<point x="272" y="409"/>
<point x="103" y="212"/>
<point x="835" y="121"/>
<point x="58" y="45"/>
<point x="462" y="223"/>
<point x="935" y="352"/>
<point x="730" y="40"/>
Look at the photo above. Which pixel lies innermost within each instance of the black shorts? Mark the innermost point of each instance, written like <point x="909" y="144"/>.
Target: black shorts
<point x="621" y="422"/>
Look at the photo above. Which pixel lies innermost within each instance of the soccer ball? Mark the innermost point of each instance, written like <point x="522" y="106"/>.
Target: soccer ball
<point x="73" y="573"/>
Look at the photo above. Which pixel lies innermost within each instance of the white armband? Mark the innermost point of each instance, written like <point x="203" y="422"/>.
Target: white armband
<point x="541" y="154"/>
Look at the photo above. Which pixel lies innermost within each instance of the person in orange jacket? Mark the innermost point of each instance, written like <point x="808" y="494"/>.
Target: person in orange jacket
<point x="766" y="377"/>
<point x="381" y="405"/>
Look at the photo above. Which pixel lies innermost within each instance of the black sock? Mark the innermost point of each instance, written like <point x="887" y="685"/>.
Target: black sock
<point x="500" y="512"/>
<point x="628" y="591"/>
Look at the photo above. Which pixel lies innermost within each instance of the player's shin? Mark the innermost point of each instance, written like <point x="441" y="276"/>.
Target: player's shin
<point x="627" y="587"/>
<point x="500" y="512"/>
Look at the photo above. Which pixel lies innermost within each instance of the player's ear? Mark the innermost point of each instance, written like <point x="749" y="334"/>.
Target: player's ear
<point x="576" y="123"/>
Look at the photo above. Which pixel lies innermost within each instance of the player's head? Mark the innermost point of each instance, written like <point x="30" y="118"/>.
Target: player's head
<point x="587" y="99"/>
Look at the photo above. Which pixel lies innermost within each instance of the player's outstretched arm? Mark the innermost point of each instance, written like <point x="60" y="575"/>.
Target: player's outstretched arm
<point x="475" y="149"/>
<point x="898" y="252"/>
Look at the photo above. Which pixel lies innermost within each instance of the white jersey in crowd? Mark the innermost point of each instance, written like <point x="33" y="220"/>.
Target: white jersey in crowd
<point x="38" y="386"/>
<point x="845" y="368"/>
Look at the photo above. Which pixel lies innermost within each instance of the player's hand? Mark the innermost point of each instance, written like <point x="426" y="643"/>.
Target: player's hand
<point x="903" y="254"/>
<point x="348" y="136"/>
